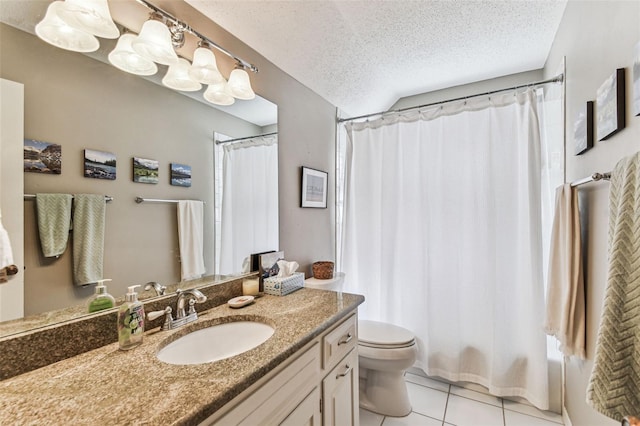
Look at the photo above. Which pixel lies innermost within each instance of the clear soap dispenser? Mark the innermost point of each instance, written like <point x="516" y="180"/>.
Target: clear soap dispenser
<point x="101" y="299"/>
<point x="130" y="320"/>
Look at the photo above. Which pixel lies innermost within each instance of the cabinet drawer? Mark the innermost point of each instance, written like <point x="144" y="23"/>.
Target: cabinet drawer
<point x="338" y="342"/>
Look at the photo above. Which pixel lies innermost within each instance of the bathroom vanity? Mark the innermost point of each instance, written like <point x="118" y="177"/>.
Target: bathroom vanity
<point x="308" y="370"/>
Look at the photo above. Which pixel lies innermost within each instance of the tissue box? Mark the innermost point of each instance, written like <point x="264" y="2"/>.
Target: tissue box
<point x="281" y="286"/>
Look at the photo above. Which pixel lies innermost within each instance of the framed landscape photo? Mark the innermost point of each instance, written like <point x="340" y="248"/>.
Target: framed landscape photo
<point x="636" y="80"/>
<point x="145" y="170"/>
<point x="314" y="188"/>
<point x="180" y="174"/>
<point x="42" y="157"/>
<point x="610" y="105"/>
<point x="99" y="164"/>
<point x="583" y="129"/>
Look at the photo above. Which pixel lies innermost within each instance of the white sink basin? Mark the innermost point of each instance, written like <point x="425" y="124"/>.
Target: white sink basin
<point x="214" y="343"/>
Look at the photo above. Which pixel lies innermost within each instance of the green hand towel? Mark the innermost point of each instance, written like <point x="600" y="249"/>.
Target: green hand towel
<point x="54" y="219"/>
<point x="88" y="237"/>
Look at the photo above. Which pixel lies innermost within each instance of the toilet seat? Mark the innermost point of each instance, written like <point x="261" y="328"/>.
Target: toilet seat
<point x="379" y="335"/>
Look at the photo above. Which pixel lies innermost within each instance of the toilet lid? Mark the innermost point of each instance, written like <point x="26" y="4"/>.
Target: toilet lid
<point x="382" y="335"/>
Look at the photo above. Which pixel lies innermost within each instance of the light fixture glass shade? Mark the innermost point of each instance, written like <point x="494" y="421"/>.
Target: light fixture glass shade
<point x="91" y="16"/>
<point x="55" y="31"/>
<point x="154" y="42"/>
<point x="219" y="94"/>
<point x="177" y="77"/>
<point x="204" y="68"/>
<point x="126" y="59"/>
<point x="239" y="85"/>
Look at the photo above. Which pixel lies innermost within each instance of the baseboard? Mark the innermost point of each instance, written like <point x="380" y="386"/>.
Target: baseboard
<point x="565" y="417"/>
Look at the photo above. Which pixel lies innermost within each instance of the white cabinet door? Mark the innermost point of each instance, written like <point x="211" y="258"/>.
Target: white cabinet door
<point x="340" y="393"/>
<point x="307" y="413"/>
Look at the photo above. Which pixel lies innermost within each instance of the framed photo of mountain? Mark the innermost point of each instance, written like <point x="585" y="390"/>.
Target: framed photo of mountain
<point x="180" y="174"/>
<point x="42" y="157"/>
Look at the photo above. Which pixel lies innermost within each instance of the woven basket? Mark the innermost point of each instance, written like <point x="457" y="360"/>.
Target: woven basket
<point x="323" y="270"/>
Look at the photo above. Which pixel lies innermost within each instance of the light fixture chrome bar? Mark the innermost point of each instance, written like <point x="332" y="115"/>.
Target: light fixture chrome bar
<point x="594" y="177"/>
<point x="156" y="200"/>
<point x="107" y="198"/>
<point x="219" y="142"/>
<point x="188" y="28"/>
<point x="556" y="79"/>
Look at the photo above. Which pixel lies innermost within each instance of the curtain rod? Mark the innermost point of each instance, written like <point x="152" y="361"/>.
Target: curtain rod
<point x="219" y="142"/>
<point x="183" y="26"/>
<point x="107" y="198"/>
<point x="594" y="177"/>
<point x="556" y="79"/>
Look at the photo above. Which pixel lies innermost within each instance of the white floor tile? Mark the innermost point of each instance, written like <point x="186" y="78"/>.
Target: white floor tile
<point x="513" y="418"/>
<point x="476" y="396"/>
<point x="428" y="382"/>
<point x="367" y="418"/>
<point x="413" y="419"/>
<point x="466" y="412"/>
<point x="532" y="411"/>
<point x="427" y="401"/>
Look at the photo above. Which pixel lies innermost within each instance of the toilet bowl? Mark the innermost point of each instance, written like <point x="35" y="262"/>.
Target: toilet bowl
<point x="385" y="352"/>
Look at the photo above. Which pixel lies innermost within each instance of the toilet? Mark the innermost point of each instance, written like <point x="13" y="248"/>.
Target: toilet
<point x="385" y="352"/>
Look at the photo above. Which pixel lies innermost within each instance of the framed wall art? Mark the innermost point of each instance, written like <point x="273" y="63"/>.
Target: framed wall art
<point x="583" y="129"/>
<point x="99" y="164"/>
<point x="145" y="170"/>
<point x="42" y="157"/>
<point x="180" y="174"/>
<point x="636" y="80"/>
<point x="314" y="188"/>
<point x="610" y="105"/>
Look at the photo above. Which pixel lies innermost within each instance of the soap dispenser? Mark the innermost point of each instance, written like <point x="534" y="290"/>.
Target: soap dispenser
<point x="101" y="299"/>
<point x="130" y="320"/>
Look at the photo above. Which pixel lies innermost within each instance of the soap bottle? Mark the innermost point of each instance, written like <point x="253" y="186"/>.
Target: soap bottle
<point x="130" y="320"/>
<point x="101" y="299"/>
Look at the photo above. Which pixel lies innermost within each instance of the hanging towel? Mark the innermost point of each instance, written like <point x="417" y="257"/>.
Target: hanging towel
<point x="614" y="385"/>
<point x="54" y="220"/>
<point x="565" y="314"/>
<point x="6" y="252"/>
<point x="88" y="237"/>
<point x="191" y="238"/>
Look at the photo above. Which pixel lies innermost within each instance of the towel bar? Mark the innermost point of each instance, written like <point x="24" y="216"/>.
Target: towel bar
<point x="594" y="177"/>
<point x="156" y="200"/>
<point x="107" y="198"/>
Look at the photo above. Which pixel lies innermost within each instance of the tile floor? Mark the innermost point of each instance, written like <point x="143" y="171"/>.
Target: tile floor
<point x="438" y="403"/>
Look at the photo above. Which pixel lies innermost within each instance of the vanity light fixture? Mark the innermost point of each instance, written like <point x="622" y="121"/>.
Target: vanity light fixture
<point x="54" y="30"/>
<point x="177" y="77"/>
<point x="239" y="84"/>
<point x="127" y="59"/>
<point x="154" y="42"/>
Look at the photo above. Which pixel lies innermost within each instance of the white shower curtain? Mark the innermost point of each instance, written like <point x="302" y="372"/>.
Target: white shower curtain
<point x="442" y="234"/>
<point x="249" y="212"/>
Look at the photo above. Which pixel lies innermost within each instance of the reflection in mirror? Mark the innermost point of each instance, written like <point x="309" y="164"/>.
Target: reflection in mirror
<point x="246" y="199"/>
<point x="82" y="103"/>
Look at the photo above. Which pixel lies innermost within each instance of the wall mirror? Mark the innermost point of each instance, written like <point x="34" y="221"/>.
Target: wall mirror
<point x="81" y="102"/>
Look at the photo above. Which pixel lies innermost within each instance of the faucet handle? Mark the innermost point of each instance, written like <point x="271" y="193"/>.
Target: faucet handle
<point x="168" y="319"/>
<point x="156" y="314"/>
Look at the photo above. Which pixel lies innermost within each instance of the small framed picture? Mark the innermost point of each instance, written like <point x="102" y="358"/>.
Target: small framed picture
<point x="636" y="80"/>
<point x="145" y="170"/>
<point x="314" y="188"/>
<point x="180" y="174"/>
<point x="42" y="157"/>
<point x="99" y="164"/>
<point x="610" y="104"/>
<point x="583" y="129"/>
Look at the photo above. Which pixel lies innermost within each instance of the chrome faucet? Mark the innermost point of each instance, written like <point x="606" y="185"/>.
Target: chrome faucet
<point x="191" y="297"/>
<point x="159" y="288"/>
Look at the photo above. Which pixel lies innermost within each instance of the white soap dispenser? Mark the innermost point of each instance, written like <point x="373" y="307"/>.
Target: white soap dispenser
<point x="101" y="299"/>
<point x="130" y="320"/>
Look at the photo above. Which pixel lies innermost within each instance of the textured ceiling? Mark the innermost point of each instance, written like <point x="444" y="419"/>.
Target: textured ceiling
<point x="362" y="56"/>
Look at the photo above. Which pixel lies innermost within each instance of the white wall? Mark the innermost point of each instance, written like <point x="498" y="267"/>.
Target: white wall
<point x="596" y="37"/>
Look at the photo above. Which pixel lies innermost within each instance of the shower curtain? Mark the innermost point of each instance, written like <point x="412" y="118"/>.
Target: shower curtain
<point x="442" y="234"/>
<point x="249" y="207"/>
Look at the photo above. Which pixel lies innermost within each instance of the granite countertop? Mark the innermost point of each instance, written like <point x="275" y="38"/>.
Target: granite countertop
<point x="109" y="386"/>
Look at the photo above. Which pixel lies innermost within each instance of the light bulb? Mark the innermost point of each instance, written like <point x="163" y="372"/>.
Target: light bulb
<point x="177" y="77"/>
<point x="126" y="59"/>
<point x="154" y="42"/>
<point x="204" y="68"/>
<point x="218" y="94"/>
<point x="239" y="85"/>
<point x="91" y="16"/>
<point x="57" y="32"/>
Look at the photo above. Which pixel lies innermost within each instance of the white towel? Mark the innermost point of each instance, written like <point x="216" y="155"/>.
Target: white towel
<point x="6" y="252"/>
<point x="191" y="238"/>
<point x="565" y="314"/>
